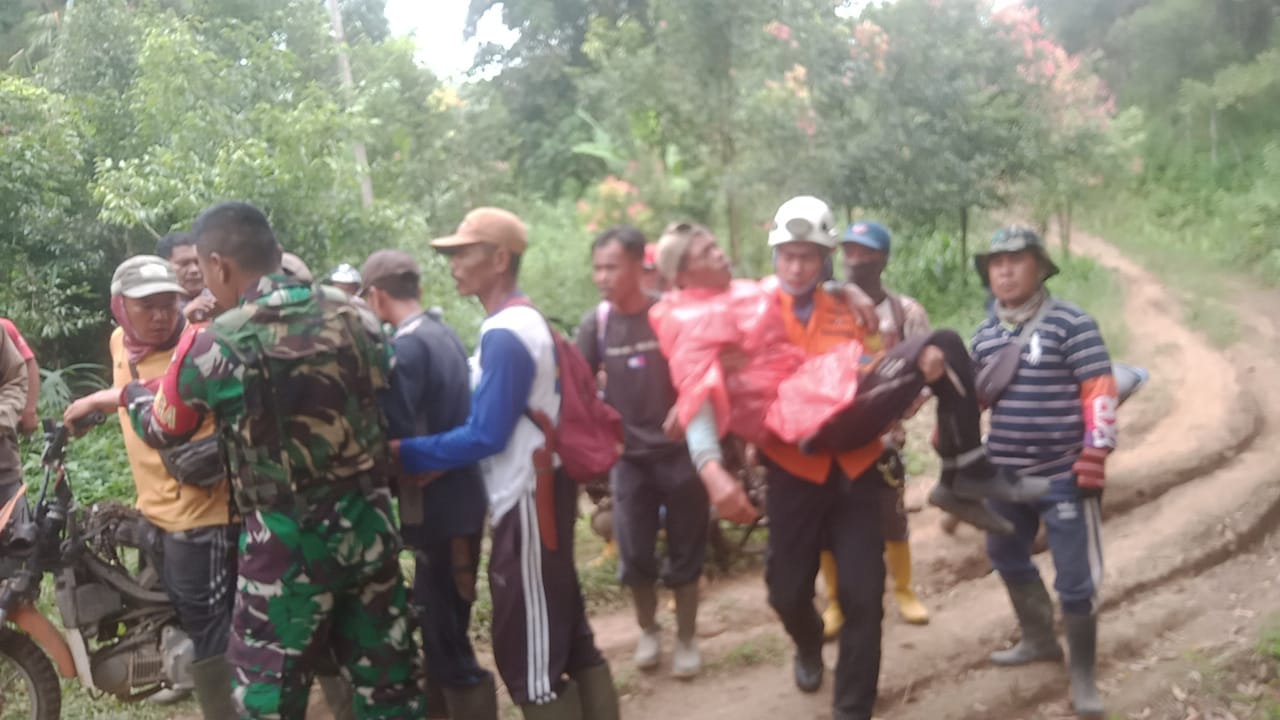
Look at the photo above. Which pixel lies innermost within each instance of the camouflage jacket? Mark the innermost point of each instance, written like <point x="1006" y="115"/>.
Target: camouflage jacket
<point x="315" y="423"/>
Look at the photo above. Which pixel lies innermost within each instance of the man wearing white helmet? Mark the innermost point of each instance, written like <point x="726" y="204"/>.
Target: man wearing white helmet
<point x="346" y="278"/>
<point x="826" y="495"/>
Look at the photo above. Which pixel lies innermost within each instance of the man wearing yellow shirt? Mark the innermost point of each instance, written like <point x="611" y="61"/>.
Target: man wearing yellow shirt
<point x="197" y="527"/>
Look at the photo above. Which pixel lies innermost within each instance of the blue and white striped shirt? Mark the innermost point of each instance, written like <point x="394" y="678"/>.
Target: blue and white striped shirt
<point x="1038" y="424"/>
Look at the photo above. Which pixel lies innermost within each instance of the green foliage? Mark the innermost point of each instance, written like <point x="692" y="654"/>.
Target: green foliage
<point x="60" y="386"/>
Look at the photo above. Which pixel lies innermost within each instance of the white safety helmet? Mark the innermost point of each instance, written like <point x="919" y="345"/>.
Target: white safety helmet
<point x="345" y="274"/>
<point x="804" y="219"/>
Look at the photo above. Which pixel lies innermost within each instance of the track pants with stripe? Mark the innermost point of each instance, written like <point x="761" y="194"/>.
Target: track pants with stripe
<point x="540" y="629"/>
<point x="199" y="574"/>
<point x="1073" y="526"/>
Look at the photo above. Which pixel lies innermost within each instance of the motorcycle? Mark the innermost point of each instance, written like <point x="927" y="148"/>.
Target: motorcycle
<point x="119" y="633"/>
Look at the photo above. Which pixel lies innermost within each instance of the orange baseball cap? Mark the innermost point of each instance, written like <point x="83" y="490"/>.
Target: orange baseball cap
<point x="491" y="226"/>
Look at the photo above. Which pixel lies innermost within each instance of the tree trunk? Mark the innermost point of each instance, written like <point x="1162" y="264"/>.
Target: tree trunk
<point x="1064" y="226"/>
<point x="731" y="207"/>
<point x="348" y="87"/>
<point x="1213" y="137"/>
<point x="964" y="243"/>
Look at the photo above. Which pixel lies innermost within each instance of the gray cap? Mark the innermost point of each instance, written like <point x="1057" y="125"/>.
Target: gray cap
<point x="292" y="265"/>
<point x="144" y="275"/>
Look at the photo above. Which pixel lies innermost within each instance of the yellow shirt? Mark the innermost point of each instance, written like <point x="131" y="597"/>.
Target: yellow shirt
<point x="160" y="499"/>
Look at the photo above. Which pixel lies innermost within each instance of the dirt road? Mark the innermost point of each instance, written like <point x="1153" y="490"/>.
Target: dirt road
<point x="1192" y="496"/>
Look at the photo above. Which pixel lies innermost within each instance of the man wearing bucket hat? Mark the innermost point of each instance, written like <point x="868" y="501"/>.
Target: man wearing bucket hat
<point x="866" y="248"/>
<point x="542" y="643"/>
<point x="197" y="534"/>
<point x="1047" y="377"/>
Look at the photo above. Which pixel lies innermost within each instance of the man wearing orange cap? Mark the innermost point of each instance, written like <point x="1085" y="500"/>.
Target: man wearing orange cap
<point x="543" y="646"/>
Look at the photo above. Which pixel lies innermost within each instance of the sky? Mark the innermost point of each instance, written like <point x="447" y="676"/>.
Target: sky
<point x="438" y="25"/>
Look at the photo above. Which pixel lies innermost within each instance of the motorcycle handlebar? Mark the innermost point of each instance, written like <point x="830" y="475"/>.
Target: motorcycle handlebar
<point x="56" y="434"/>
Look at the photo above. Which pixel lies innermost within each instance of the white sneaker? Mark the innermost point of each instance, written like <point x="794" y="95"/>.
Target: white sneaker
<point x="686" y="661"/>
<point x="649" y="649"/>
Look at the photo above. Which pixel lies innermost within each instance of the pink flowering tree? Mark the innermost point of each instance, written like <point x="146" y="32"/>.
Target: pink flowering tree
<point x="1076" y="109"/>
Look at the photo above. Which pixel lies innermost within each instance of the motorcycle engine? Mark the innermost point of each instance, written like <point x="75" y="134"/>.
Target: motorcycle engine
<point x="122" y="670"/>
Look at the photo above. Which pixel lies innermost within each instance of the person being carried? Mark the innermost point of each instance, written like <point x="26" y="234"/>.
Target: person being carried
<point x="736" y="372"/>
<point x="823" y="490"/>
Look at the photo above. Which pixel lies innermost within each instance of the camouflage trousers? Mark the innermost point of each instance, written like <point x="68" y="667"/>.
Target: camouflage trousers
<point x="329" y="584"/>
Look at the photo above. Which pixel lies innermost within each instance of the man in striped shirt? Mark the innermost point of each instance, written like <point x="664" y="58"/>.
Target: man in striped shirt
<point x="1054" y="418"/>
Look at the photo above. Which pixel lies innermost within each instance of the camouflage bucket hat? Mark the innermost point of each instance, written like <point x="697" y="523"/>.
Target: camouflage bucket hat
<point x="1014" y="238"/>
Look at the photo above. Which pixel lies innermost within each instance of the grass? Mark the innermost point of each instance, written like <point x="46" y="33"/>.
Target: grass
<point x="1245" y="682"/>
<point x="761" y="650"/>
<point x="1189" y="260"/>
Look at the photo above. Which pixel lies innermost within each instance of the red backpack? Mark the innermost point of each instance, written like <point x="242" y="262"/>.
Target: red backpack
<point x="589" y="436"/>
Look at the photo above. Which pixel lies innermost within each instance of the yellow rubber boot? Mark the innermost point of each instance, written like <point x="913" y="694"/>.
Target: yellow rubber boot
<point x="898" y="558"/>
<point x="832" y="618"/>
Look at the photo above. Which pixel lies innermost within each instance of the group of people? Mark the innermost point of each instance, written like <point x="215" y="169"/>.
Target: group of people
<point x="270" y="421"/>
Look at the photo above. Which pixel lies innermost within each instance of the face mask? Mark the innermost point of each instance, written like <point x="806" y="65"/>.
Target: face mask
<point x="865" y="274"/>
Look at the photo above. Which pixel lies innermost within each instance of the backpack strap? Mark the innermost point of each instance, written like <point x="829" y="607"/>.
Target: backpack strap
<point x="602" y="322"/>
<point x="899" y="315"/>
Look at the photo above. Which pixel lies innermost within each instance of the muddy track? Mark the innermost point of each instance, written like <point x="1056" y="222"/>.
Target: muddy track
<point x="1194" y="484"/>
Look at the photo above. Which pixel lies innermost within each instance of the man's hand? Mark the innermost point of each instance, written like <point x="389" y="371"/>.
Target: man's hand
<point x="727" y="494"/>
<point x="1091" y="471"/>
<point x="29" y="423"/>
<point x="863" y="307"/>
<point x="200" y="308"/>
<point x="424" y="479"/>
<point x="921" y="399"/>
<point x="671" y="426"/>
<point x="106" y="401"/>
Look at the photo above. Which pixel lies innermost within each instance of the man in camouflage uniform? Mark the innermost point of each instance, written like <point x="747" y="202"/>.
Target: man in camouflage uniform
<point x="290" y="373"/>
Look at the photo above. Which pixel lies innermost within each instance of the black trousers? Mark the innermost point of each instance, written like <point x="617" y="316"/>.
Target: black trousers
<point x="199" y="574"/>
<point x="540" y="627"/>
<point x="889" y="388"/>
<point x="641" y="489"/>
<point x="444" y="588"/>
<point x="842" y="515"/>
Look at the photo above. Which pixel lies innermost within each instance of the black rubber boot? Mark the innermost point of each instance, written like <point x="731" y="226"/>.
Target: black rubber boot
<point x="1034" y="608"/>
<point x="478" y="702"/>
<point x="599" y="694"/>
<point x="212" y="679"/>
<point x="808" y="671"/>
<point x="1082" y="644"/>
<point x="975" y="512"/>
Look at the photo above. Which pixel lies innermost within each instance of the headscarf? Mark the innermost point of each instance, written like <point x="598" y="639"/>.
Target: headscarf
<point x="134" y="347"/>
